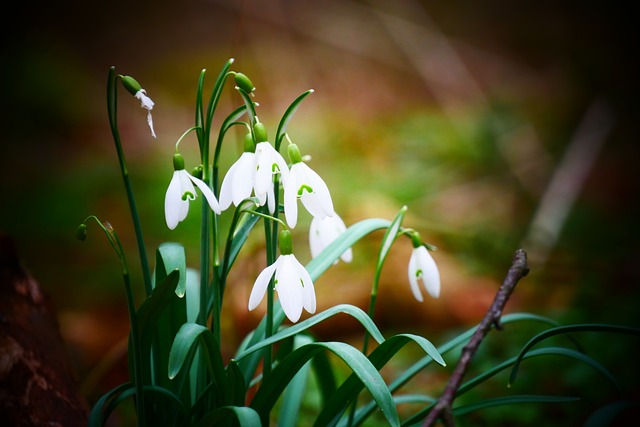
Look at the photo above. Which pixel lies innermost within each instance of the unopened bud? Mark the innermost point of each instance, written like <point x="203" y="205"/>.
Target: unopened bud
<point x="260" y="132"/>
<point x="131" y="84"/>
<point x="243" y="82"/>
<point x="81" y="232"/>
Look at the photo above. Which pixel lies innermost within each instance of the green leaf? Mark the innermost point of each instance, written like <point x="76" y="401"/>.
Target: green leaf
<point x="247" y="417"/>
<point x="366" y="410"/>
<point x="294" y="393"/>
<point x="325" y="377"/>
<point x="183" y="349"/>
<point x="351" y="310"/>
<point x="98" y="416"/>
<point x="216" y="92"/>
<point x="270" y="390"/>
<point x="286" y="118"/>
<point x="387" y="241"/>
<point x="511" y="400"/>
<point x="588" y="327"/>
<point x="236" y="385"/>
<point x="352" y="386"/>
<point x="250" y="105"/>
<point x="169" y="257"/>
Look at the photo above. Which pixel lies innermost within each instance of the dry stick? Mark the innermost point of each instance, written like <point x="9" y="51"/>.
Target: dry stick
<point x="442" y="408"/>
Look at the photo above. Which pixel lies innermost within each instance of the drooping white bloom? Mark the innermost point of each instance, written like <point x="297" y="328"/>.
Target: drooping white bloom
<point x="238" y="183"/>
<point x="293" y="284"/>
<point x="324" y="231"/>
<point x="147" y="104"/>
<point x="305" y="184"/>
<point x="268" y="163"/>
<point x="422" y="266"/>
<point x="181" y="191"/>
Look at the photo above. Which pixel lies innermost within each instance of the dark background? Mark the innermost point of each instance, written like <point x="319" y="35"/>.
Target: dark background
<point x="499" y="124"/>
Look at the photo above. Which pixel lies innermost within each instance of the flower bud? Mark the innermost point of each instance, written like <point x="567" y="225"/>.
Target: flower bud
<point x="260" y="132"/>
<point x="81" y="232"/>
<point x="415" y="239"/>
<point x="131" y="84"/>
<point x="178" y="162"/>
<point x="249" y="145"/>
<point x="286" y="245"/>
<point x="243" y="82"/>
<point x="294" y="153"/>
<point x="197" y="171"/>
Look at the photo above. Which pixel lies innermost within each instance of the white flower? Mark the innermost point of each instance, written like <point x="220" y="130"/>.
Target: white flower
<point x="180" y="192"/>
<point x="305" y="184"/>
<point x="293" y="284"/>
<point x="239" y="180"/>
<point x="268" y="163"/>
<point x="146" y="103"/>
<point x="324" y="231"/>
<point x="422" y="266"/>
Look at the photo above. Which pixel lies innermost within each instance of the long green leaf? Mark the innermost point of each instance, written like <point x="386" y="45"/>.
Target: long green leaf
<point x="247" y="417"/>
<point x="294" y="393"/>
<point x="97" y="415"/>
<point x="588" y="327"/>
<point x="351" y="310"/>
<point x="270" y="390"/>
<point x="352" y="386"/>
<point x="286" y="118"/>
<point x="366" y="410"/>
<point x="170" y="257"/>
<point x="183" y="349"/>
<point x="511" y="400"/>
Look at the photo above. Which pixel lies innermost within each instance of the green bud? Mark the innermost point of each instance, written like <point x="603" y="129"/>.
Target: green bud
<point x="286" y="245"/>
<point x="249" y="145"/>
<point x="294" y="153"/>
<point x="243" y="82"/>
<point x="178" y="162"/>
<point x="131" y="84"/>
<point x="415" y="239"/>
<point x="81" y="232"/>
<point x="197" y="171"/>
<point x="260" y="132"/>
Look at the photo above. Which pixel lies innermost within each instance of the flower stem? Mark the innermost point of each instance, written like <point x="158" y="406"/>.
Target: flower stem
<point x="113" y="122"/>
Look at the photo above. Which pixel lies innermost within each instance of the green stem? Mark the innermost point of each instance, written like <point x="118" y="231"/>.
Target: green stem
<point x="113" y="122"/>
<point x="135" y="343"/>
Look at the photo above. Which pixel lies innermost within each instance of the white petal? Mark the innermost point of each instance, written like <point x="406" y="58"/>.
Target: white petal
<point x="316" y="243"/>
<point x="226" y="187"/>
<point x="243" y="178"/>
<point x="291" y="199"/>
<point x="150" y="123"/>
<point x="289" y="288"/>
<point x="321" y="191"/>
<point x="172" y="199"/>
<point x="271" y="199"/>
<point x="260" y="285"/>
<point x="430" y="273"/>
<point x="207" y="193"/>
<point x="145" y="101"/>
<point x="308" y="291"/>
<point x="413" y="278"/>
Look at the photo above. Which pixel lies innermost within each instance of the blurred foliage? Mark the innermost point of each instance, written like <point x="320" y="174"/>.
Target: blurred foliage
<point x="382" y="128"/>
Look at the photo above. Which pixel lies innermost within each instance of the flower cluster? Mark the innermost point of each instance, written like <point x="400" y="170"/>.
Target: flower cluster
<point x="260" y="171"/>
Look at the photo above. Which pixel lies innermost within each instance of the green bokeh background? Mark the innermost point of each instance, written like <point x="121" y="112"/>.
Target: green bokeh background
<point x="462" y="111"/>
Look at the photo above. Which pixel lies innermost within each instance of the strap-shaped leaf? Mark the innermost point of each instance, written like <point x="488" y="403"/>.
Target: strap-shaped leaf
<point x="183" y="349"/>
<point x="294" y="393"/>
<point x="588" y="327"/>
<point x="169" y="257"/>
<point x="270" y="390"/>
<point x="351" y="310"/>
<point x="286" y="118"/>
<point x="247" y="417"/>
<point x="352" y="386"/>
<point x="236" y="388"/>
<point x="511" y="400"/>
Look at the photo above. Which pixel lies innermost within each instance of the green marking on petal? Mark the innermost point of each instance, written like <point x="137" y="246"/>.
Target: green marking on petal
<point x="188" y="195"/>
<point x="418" y="273"/>
<point x="304" y="188"/>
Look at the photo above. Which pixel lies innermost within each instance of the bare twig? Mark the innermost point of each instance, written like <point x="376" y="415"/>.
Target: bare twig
<point x="442" y="409"/>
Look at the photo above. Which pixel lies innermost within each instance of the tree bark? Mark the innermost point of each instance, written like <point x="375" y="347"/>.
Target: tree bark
<point x="38" y="386"/>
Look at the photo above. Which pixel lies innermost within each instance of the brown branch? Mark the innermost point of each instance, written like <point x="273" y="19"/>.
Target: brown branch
<point x="442" y="409"/>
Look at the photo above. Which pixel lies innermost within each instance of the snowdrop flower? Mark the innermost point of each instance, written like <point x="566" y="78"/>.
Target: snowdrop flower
<point x="238" y="183"/>
<point x="422" y="266"/>
<point x="268" y="163"/>
<point x="304" y="184"/>
<point x="324" y="231"/>
<point x="181" y="191"/>
<point x="145" y="102"/>
<point x="292" y="282"/>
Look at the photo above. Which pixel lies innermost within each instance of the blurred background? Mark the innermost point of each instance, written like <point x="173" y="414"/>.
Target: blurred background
<point x="500" y="125"/>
